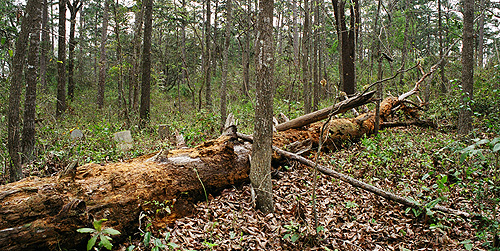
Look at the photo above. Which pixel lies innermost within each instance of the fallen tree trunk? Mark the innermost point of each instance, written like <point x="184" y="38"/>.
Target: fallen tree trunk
<point x="357" y="183"/>
<point x="44" y="213"/>
<point x="340" y="107"/>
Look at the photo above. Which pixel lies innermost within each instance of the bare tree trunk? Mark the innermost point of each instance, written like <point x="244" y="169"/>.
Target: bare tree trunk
<point x="260" y="168"/>
<point x="315" y="56"/>
<point x="404" y="50"/>
<point x="295" y="33"/>
<point x="208" y="57"/>
<point x="146" y="63"/>
<point x="347" y="42"/>
<point x="465" y="115"/>
<point x="305" y="60"/>
<point x="134" y="74"/>
<point x="121" y="93"/>
<point x="28" y="142"/>
<point x="61" y="61"/>
<point x="73" y="9"/>
<point x="44" y="48"/>
<point x="223" y="98"/>
<point x="15" y="169"/>
<point x="185" y="73"/>
<point x="441" y="49"/>
<point x="480" y="38"/>
<point x="103" y="59"/>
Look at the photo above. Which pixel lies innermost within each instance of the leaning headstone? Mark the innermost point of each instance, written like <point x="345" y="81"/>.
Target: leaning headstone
<point x="76" y="134"/>
<point x="124" y="140"/>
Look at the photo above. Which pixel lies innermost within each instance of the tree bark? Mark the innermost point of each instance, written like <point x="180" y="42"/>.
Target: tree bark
<point x="316" y="73"/>
<point x="208" y="58"/>
<point x="15" y="169"/>
<point x="223" y="98"/>
<point x="103" y="59"/>
<point x="465" y="116"/>
<point x="134" y="73"/>
<point x="44" y="213"/>
<point x="44" y="47"/>
<point x="73" y="9"/>
<point x="146" y="63"/>
<point x="260" y="169"/>
<point x="61" y="61"/>
<point x="28" y="140"/>
<point x="347" y="42"/>
<point x="305" y="60"/>
<point x="122" y="103"/>
<point x="480" y="38"/>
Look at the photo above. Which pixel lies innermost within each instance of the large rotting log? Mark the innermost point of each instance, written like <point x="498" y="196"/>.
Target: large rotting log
<point x="44" y="213"/>
<point x="338" y="130"/>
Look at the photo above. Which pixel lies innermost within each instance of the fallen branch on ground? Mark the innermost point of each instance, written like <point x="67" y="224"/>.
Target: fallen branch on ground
<point x="360" y="184"/>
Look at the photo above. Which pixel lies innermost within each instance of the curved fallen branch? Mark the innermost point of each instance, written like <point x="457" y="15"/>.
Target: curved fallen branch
<point x="357" y="183"/>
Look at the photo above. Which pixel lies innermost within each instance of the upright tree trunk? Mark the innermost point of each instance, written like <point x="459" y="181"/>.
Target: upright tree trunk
<point x="305" y="60"/>
<point x="260" y="170"/>
<point x="73" y="9"/>
<point x="121" y="95"/>
<point x="185" y="73"/>
<point x="103" y="59"/>
<point x="15" y="169"/>
<point x="61" y="61"/>
<point x="315" y="56"/>
<point x="480" y="38"/>
<point x="28" y="142"/>
<point x="441" y="49"/>
<point x="347" y="42"/>
<point x="208" y="58"/>
<point x="295" y="33"/>
<point x="404" y="50"/>
<point x="44" y="48"/>
<point x="465" y="116"/>
<point x="134" y="73"/>
<point x="223" y="99"/>
<point x="146" y="63"/>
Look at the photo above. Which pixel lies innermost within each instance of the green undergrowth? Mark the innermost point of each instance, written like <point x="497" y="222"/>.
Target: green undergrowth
<point x="431" y="167"/>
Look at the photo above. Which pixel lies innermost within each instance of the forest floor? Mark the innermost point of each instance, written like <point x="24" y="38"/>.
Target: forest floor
<point x="416" y="163"/>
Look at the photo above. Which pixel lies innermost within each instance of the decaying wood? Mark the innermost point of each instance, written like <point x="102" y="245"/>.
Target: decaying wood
<point x="323" y="113"/>
<point x="44" y="213"/>
<point x="357" y="183"/>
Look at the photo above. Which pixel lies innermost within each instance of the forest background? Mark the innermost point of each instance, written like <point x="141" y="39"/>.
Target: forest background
<point x="88" y="70"/>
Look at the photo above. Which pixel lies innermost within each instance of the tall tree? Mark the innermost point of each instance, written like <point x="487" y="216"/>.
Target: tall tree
<point x="207" y="57"/>
<point x="465" y="116"/>
<point x="73" y="9"/>
<point x="121" y="94"/>
<point x="305" y="59"/>
<point x="347" y="41"/>
<point x="103" y="59"/>
<point x="441" y="48"/>
<point x="223" y="99"/>
<point x="28" y="139"/>
<point x="480" y="37"/>
<point x="260" y="169"/>
<point x="61" y="61"/>
<point x="295" y="32"/>
<point x="134" y="72"/>
<point x="15" y="169"/>
<point x="146" y="62"/>
<point x="44" y="48"/>
<point x="315" y="55"/>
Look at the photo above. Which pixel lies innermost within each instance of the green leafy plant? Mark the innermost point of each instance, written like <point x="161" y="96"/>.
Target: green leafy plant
<point x="99" y="232"/>
<point x="157" y="244"/>
<point x="292" y="232"/>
